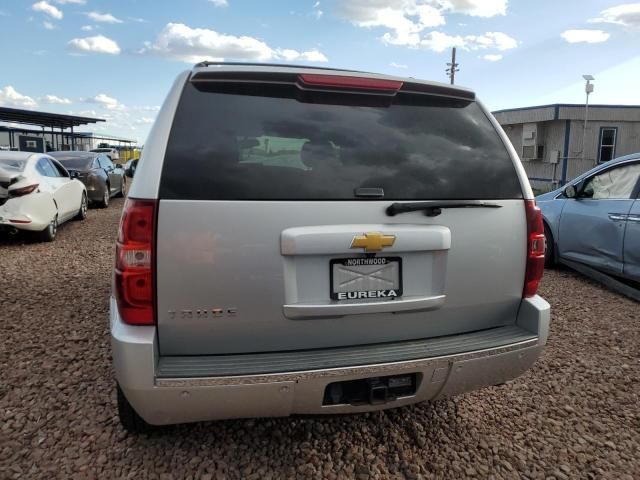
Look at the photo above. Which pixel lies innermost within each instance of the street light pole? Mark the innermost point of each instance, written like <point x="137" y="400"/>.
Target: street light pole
<point x="588" y="88"/>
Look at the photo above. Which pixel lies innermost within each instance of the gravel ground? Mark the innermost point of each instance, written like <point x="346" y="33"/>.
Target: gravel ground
<point x="574" y="415"/>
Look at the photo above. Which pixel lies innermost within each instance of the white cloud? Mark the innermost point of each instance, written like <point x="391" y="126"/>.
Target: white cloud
<point x="313" y="56"/>
<point x="220" y="3"/>
<point x="131" y="122"/>
<point x="55" y="100"/>
<point x="440" y="41"/>
<point x="103" y="17"/>
<point x="83" y="113"/>
<point x="477" y="8"/>
<point x="146" y="108"/>
<point x="585" y="36"/>
<point x="398" y="65"/>
<point x="103" y="99"/>
<point x="316" y="10"/>
<point x="627" y="14"/>
<point x="9" y="97"/>
<point x="106" y="101"/>
<point x="86" y="28"/>
<point x="290" y="55"/>
<point x="192" y="45"/>
<point x="492" y="57"/>
<point x="47" y="9"/>
<point x="48" y="25"/>
<point x="97" y="44"/>
<point x="406" y="19"/>
<point x="144" y="121"/>
<point x="75" y="2"/>
<point x="497" y="40"/>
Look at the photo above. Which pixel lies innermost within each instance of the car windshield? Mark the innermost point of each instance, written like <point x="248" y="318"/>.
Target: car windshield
<point x="13" y="165"/>
<point x="76" y="163"/>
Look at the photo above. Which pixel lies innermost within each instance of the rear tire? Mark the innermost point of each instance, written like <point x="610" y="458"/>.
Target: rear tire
<point x="82" y="213"/>
<point x="129" y="418"/>
<point x="49" y="233"/>
<point x="549" y="258"/>
<point x="106" y="196"/>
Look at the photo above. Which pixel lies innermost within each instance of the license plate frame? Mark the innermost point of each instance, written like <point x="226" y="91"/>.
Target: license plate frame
<point x="335" y="295"/>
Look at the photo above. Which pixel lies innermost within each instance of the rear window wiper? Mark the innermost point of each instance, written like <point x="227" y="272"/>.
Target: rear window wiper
<point x="433" y="209"/>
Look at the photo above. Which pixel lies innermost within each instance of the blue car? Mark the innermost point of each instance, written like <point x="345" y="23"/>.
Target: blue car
<point x="595" y="219"/>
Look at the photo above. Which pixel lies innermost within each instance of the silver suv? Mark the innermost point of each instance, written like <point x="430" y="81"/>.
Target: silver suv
<point x="311" y="241"/>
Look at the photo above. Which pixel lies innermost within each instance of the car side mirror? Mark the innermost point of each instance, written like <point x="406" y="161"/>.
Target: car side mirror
<point x="570" y="191"/>
<point x="118" y="166"/>
<point x="74" y="174"/>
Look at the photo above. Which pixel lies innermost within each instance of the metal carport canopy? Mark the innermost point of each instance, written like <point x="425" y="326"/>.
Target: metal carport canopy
<point x="44" y="119"/>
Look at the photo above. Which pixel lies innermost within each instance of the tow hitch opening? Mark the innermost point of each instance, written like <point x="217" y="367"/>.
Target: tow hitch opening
<point x="372" y="391"/>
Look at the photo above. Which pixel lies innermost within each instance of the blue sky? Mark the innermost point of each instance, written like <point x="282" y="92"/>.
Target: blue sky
<point x="116" y="59"/>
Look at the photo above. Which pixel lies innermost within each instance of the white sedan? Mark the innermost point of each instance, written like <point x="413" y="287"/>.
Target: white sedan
<point x="38" y="194"/>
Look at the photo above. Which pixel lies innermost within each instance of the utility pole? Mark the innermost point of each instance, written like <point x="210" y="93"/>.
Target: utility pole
<point x="453" y="67"/>
<point x="588" y="88"/>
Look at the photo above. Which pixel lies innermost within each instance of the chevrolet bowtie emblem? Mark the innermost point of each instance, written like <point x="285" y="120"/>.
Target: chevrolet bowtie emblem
<point x="373" y="241"/>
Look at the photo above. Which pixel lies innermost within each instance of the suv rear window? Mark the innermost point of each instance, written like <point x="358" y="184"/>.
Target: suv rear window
<point x="267" y="144"/>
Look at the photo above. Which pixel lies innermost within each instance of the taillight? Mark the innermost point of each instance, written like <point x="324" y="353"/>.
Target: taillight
<point x="358" y="83"/>
<point x="19" y="192"/>
<point x="535" y="249"/>
<point x="134" y="279"/>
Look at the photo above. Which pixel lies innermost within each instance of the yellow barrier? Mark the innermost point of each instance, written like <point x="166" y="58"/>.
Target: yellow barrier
<point x="126" y="155"/>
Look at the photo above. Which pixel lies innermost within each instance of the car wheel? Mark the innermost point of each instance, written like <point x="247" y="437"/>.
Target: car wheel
<point x="106" y="196"/>
<point x="82" y="213"/>
<point x="49" y="233"/>
<point x="123" y="188"/>
<point x="129" y="418"/>
<point x="549" y="259"/>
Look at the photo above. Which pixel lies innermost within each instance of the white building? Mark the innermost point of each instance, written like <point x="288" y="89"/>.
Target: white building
<point x="549" y="138"/>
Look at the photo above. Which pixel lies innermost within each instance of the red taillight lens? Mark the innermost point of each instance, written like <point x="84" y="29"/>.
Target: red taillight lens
<point x="535" y="249"/>
<point x="19" y="192"/>
<point x="134" y="279"/>
<point x="358" y="83"/>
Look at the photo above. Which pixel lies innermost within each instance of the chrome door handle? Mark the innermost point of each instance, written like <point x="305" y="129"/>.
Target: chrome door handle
<point x="633" y="218"/>
<point x="618" y="217"/>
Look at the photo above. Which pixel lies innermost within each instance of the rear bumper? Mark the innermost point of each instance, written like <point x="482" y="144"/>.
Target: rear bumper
<point x="180" y="393"/>
<point x="95" y="190"/>
<point x="26" y="213"/>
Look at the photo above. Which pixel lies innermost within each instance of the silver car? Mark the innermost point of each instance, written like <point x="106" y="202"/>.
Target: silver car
<point x="595" y="219"/>
<point x="315" y="241"/>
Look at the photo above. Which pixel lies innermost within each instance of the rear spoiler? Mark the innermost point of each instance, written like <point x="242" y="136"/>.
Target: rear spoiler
<point x="333" y="81"/>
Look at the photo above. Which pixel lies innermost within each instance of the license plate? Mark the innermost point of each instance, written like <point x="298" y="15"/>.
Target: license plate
<point x="366" y="278"/>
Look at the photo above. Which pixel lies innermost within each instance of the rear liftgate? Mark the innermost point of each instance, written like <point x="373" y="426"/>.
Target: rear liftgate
<point x="338" y="237"/>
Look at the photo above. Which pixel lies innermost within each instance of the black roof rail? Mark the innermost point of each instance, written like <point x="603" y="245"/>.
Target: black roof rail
<point x="207" y="63"/>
